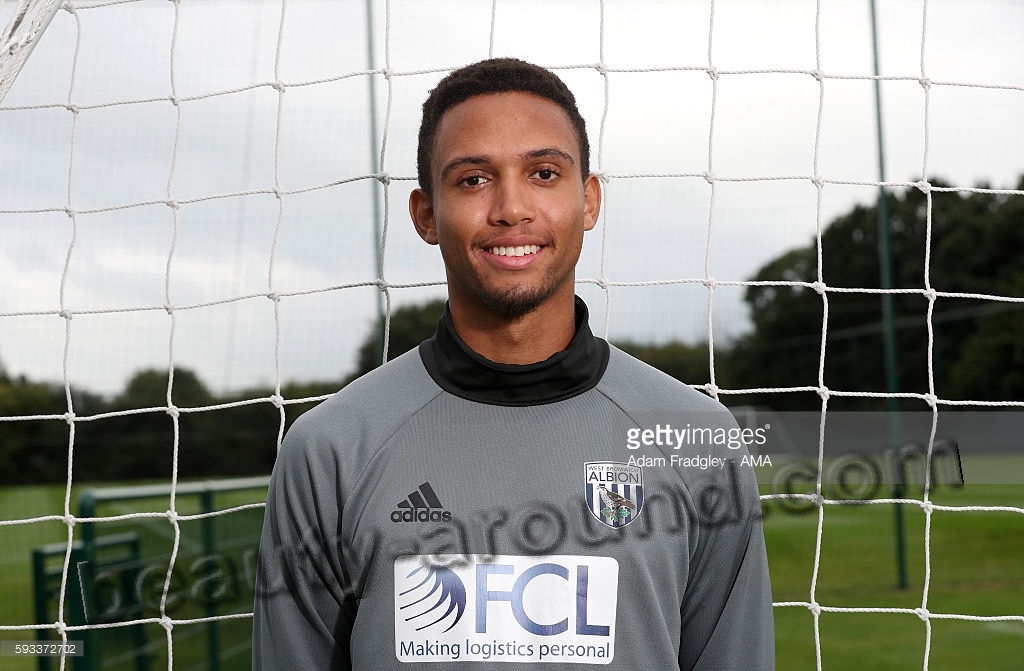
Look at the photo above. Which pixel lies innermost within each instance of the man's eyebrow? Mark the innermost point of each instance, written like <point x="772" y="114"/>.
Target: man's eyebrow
<point x="532" y="155"/>
<point x="461" y="161"/>
<point x="549" y="152"/>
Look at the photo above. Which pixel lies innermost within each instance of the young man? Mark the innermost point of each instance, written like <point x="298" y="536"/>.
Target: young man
<point x="503" y="495"/>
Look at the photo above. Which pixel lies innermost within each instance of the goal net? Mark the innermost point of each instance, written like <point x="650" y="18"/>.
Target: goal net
<point x="202" y="225"/>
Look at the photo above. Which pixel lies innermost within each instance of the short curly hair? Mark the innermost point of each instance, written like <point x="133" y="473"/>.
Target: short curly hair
<point x="495" y="75"/>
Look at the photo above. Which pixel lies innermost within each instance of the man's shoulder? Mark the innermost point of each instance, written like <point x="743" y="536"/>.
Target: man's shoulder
<point x="372" y="404"/>
<point x="636" y="385"/>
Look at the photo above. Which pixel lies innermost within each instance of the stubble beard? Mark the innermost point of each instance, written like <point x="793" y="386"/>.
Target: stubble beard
<point x="520" y="300"/>
<point x="510" y="301"/>
<point x="514" y="302"/>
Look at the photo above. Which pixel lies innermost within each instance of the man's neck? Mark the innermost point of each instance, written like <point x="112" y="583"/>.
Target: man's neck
<point x="529" y="338"/>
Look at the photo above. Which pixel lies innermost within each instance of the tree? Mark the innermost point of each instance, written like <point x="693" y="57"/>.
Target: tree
<point x="686" y="363"/>
<point x="975" y="240"/>
<point x="31" y="450"/>
<point x="410" y="325"/>
<point x="148" y="388"/>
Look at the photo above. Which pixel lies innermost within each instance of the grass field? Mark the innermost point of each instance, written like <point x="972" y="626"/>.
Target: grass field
<point x="977" y="568"/>
<point x="225" y="570"/>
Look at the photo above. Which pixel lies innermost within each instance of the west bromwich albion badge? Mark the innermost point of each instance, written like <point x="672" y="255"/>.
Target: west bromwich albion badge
<point x="614" y="491"/>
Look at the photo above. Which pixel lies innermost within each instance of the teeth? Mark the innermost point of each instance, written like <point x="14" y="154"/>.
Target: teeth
<point x="521" y="250"/>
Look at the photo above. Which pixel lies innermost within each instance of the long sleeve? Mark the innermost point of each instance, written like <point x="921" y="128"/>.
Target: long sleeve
<point x="726" y="615"/>
<point x="304" y="606"/>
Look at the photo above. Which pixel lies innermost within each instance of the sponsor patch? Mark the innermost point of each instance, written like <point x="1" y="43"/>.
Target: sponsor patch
<point x="507" y="608"/>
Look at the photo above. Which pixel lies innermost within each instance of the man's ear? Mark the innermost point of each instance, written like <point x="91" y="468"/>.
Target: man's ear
<point x="591" y="201"/>
<point x="421" y="209"/>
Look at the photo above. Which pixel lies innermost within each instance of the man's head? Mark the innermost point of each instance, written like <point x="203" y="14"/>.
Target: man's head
<point x="497" y="75"/>
<point x="506" y="190"/>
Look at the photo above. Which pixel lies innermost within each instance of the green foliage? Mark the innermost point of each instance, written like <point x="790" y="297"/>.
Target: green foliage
<point x="229" y="442"/>
<point x="973" y="247"/>
<point x="410" y="325"/>
<point x="147" y="442"/>
<point x="687" y="363"/>
<point x="991" y="361"/>
<point x="31" y="446"/>
<point x="148" y="388"/>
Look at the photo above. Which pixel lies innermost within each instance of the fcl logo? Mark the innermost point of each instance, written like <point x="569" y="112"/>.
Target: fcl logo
<point x="614" y="491"/>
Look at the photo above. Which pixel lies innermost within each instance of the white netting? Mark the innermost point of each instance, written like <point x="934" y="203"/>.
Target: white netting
<point x="284" y="183"/>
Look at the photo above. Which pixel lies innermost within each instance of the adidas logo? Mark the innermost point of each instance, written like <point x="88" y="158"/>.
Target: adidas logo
<point x="421" y="505"/>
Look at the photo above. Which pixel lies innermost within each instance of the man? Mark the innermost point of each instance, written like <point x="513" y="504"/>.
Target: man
<point x="502" y="494"/>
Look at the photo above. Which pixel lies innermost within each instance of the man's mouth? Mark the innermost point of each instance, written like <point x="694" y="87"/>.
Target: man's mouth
<point x="521" y="250"/>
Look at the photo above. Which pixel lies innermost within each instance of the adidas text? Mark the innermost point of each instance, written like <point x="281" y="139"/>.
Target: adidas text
<point x="421" y="515"/>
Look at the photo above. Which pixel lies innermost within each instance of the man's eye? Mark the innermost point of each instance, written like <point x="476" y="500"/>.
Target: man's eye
<point x="546" y="175"/>
<point x="472" y="180"/>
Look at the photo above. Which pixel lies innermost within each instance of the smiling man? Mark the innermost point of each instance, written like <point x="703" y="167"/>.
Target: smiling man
<point x="506" y="192"/>
<point x="475" y="502"/>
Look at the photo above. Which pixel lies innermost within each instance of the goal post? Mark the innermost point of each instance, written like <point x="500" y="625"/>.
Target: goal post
<point x="23" y="31"/>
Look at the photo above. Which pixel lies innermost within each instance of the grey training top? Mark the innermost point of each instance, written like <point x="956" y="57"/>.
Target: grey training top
<point x="588" y="510"/>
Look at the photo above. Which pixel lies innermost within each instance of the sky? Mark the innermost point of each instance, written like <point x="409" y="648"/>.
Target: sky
<point x="657" y="121"/>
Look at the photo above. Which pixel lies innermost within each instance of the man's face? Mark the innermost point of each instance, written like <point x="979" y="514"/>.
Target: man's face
<point x="509" y="206"/>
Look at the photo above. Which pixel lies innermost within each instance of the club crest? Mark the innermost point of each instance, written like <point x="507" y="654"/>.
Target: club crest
<point x="614" y="492"/>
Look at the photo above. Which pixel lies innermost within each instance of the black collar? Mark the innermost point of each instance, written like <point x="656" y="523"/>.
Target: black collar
<point x="460" y="371"/>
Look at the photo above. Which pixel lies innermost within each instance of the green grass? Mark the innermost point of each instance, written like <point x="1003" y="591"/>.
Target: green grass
<point x="976" y="569"/>
<point x="155" y="540"/>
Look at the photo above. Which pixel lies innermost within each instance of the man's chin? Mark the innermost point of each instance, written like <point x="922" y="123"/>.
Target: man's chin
<point x="514" y="303"/>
